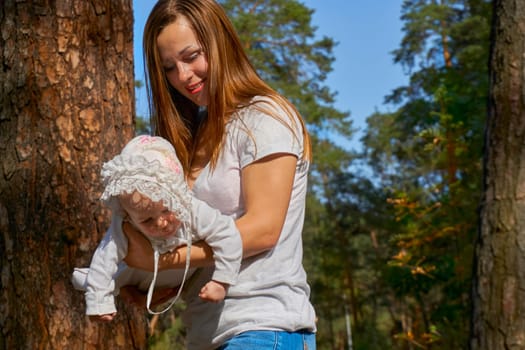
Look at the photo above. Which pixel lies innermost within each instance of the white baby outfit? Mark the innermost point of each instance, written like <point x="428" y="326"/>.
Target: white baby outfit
<point x="149" y="165"/>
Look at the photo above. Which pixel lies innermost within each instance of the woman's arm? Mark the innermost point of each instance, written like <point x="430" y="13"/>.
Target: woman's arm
<point x="266" y="186"/>
<point x="140" y="253"/>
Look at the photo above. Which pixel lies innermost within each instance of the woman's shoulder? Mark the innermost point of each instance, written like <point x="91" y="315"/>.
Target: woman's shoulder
<point x="259" y="108"/>
<point x="265" y="119"/>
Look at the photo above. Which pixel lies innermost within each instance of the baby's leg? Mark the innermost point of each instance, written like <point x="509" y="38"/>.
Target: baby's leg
<point x="142" y="279"/>
<point x="126" y="276"/>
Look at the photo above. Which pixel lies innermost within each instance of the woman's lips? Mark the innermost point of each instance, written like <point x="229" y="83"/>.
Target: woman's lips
<point x="195" y="88"/>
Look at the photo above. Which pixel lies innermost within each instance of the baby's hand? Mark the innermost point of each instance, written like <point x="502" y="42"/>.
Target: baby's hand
<point x="213" y="291"/>
<point x="102" y="318"/>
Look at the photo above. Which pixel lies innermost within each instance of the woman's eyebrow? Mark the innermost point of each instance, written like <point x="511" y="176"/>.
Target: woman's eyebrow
<point x="190" y="46"/>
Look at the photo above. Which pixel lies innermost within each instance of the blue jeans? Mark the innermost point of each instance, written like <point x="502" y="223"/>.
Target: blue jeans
<point x="271" y="340"/>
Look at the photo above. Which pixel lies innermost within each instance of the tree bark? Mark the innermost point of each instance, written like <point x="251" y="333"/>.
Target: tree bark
<point x="498" y="320"/>
<point x="66" y="106"/>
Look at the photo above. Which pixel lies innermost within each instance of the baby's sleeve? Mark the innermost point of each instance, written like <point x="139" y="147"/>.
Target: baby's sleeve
<point x="221" y="234"/>
<point x="100" y="284"/>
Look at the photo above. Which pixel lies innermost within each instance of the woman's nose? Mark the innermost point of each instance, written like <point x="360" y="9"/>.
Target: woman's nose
<point x="184" y="71"/>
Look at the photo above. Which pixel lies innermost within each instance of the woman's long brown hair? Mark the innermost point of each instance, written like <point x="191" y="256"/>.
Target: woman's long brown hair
<point x="232" y="81"/>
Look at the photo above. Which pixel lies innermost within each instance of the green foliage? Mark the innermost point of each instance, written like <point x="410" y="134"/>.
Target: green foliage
<point x="428" y="157"/>
<point x="142" y="126"/>
<point x="168" y="333"/>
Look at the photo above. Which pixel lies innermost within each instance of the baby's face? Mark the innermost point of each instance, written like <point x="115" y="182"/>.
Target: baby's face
<point x="152" y="218"/>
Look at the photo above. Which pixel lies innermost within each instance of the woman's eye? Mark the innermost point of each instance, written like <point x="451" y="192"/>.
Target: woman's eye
<point x="169" y="69"/>
<point x="194" y="56"/>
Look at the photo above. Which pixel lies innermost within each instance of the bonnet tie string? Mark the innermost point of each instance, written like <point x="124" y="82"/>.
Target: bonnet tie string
<point x="156" y="256"/>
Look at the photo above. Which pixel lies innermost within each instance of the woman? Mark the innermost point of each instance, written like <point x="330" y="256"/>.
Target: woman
<point x="247" y="155"/>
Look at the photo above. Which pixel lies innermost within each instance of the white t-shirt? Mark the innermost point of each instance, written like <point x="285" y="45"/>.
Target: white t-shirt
<point x="271" y="292"/>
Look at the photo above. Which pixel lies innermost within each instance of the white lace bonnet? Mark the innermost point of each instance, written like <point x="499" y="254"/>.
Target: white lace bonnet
<point x="149" y="165"/>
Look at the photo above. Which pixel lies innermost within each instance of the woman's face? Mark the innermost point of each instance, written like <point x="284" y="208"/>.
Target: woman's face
<point x="184" y="61"/>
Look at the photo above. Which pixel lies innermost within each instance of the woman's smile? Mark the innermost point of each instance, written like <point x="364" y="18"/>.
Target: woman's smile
<point x="195" y="88"/>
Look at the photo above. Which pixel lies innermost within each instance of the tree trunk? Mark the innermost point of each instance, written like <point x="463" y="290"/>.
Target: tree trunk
<point x="498" y="320"/>
<point x="66" y="106"/>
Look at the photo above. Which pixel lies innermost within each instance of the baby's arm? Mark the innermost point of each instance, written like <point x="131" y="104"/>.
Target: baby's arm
<point x="100" y="286"/>
<point x="221" y="234"/>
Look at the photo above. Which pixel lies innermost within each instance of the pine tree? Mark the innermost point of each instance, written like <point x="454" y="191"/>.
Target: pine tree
<point x="498" y="303"/>
<point x="66" y="105"/>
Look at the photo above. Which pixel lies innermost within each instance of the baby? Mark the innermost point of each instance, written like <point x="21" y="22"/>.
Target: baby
<point x="145" y="186"/>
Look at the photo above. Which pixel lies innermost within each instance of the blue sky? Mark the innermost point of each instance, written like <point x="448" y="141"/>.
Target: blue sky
<point x="363" y="73"/>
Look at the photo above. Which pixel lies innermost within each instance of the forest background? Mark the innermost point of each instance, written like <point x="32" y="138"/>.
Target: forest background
<point x="391" y="223"/>
<point x="391" y="230"/>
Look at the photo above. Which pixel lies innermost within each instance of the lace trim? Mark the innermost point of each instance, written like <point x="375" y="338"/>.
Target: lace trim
<point x="160" y="182"/>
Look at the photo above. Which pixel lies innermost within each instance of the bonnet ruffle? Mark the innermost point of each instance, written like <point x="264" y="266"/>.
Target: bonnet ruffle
<point x="149" y="165"/>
